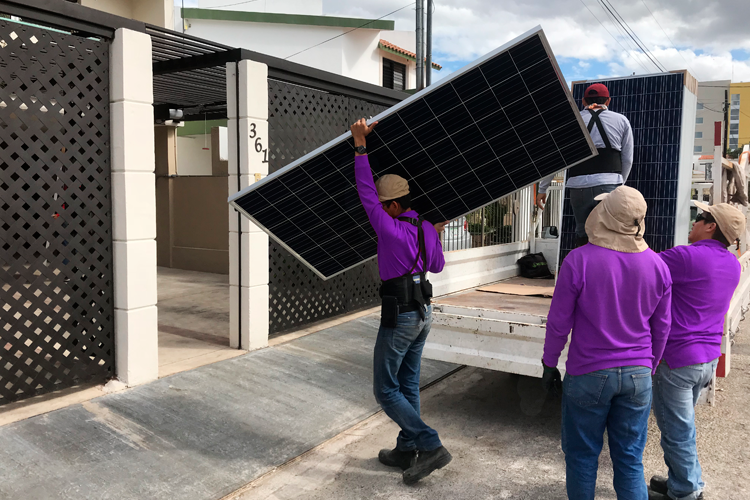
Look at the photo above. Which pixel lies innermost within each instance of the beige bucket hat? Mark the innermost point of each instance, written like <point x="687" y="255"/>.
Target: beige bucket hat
<point x="728" y="218"/>
<point x="617" y="222"/>
<point x="391" y="186"/>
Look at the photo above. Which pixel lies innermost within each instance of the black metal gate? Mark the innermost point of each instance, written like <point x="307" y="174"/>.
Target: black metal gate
<point x="301" y="119"/>
<point x="56" y="322"/>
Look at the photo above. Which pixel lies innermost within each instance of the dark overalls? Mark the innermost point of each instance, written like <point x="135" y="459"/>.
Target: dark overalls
<point x="406" y="317"/>
<point x="608" y="161"/>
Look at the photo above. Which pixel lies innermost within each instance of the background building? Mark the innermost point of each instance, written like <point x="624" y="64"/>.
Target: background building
<point x="368" y="50"/>
<point x="711" y="97"/>
<point x="739" y="115"/>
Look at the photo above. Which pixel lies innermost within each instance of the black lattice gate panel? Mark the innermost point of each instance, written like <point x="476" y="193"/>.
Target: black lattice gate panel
<point x="56" y="323"/>
<point x="300" y="120"/>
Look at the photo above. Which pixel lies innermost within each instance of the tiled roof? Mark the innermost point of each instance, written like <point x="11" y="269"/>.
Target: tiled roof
<point x="386" y="45"/>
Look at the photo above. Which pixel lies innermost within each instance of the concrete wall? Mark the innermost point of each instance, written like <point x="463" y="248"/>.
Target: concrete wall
<point x="200" y="227"/>
<point x="478" y="266"/>
<point x="307" y="7"/>
<point x="157" y="12"/>
<point x="192" y="159"/>
<point x="280" y="40"/>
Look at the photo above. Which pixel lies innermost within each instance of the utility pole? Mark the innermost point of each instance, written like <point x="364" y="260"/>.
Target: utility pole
<point x="726" y="122"/>
<point x="420" y="45"/>
<point x="428" y="64"/>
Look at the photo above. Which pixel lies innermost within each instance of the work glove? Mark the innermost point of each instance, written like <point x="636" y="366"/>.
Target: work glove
<point x="552" y="380"/>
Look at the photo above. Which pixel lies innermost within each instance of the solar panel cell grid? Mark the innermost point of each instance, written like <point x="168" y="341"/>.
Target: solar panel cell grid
<point x="474" y="137"/>
<point x="653" y="104"/>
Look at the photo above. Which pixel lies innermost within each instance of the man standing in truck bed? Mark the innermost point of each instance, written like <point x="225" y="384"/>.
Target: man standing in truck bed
<point x="613" y="139"/>
<point x="408" y="247"/>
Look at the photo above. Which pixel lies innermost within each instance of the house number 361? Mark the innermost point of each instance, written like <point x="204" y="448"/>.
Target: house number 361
<point x="258" y="143"/>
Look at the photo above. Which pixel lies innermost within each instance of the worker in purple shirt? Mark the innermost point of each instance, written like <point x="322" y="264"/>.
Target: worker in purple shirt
<point x="707" y="275"/>
<point x="614" y="293"/>
<point x="408" y="247"/>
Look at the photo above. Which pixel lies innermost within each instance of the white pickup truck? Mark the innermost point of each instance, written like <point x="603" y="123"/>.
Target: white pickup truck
<point x="506" y="332"/>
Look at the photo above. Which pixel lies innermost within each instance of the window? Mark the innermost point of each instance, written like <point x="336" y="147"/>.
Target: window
<point x="700" y="105"/>
<point x="699" y="119"/>
<point x="734" y="127"/>
<point x="734" y="114"/>
<point x="733" y="143"/>
<point x="698" y="149"/>
<point x="394" y="75"/>
<point x="735" y="99"/>
<point x="699" y="135"/>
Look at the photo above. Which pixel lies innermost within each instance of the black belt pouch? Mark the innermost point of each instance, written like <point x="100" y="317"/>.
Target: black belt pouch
<point x="389" y="312"/>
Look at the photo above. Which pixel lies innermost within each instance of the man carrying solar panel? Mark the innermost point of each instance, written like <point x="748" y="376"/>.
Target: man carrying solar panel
<point x="613" y="139"/>
<point x="408" y="247"/>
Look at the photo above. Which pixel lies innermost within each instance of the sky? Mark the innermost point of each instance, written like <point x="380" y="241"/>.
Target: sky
<point x="706" y="37"/>
<point x="703" y="36"/>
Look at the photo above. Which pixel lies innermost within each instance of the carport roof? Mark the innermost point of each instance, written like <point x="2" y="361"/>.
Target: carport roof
<point x="190" y="72"/>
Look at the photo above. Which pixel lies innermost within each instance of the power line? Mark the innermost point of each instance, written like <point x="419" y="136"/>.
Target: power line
<point x="632" y="35"/>
<point x="641" y="43"/>
<point x="347" y="32"/>
<point x="670" y="40"/>
<point x="628" y="39"/>
<point x="613" y="37"/>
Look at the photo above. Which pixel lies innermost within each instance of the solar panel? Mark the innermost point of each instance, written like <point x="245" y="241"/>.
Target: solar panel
<point x="493" y="127"/>
<point x="662" y="142"/>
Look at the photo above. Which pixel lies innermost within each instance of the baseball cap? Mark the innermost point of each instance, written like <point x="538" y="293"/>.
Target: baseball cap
<point x="730" y="220"/>
<point x="596" y="90"/>
<point x="391" y="186"/>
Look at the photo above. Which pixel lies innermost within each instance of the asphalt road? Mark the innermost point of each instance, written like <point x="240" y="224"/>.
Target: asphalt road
<point x="504" y="435"/>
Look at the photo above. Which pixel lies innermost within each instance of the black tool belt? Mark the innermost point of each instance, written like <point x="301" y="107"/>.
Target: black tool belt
<point x="609" y="160"/>
<point x="410" y="292"/>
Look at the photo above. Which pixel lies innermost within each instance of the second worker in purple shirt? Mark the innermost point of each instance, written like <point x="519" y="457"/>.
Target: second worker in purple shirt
<point x="614" y="293"/>
<point x="705" y="275"/>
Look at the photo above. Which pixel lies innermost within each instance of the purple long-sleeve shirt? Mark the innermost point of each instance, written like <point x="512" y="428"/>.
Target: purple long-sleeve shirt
<point x="618" y="306"/>
<point x="397" y="240"/>
<point x="705" y="275"/>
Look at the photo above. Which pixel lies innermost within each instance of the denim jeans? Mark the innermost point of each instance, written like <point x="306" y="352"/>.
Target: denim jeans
<point x="582" y="202"/>
<point x="675" y="394"/>
<point x="397" y="362"/>
<point x="615" y="399"/>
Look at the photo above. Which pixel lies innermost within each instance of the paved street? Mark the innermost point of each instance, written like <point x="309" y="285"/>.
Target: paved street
<point x="504" y="437"/>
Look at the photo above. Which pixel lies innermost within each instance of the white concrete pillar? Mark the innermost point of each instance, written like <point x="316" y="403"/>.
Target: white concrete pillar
<point x="248" y="245"/>
<point x="133" y="207"/>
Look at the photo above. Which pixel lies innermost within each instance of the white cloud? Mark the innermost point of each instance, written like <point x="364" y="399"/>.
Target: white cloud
<point x="704" y="32"/>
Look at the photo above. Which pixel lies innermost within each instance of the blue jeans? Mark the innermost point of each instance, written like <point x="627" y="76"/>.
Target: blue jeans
<point x="582" y="202"/>
<point x="675" y="394"/>
<point x="397" y="362"/>
<point x="615" y="399"/>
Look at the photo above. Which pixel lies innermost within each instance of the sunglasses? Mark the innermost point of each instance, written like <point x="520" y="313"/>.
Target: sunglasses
<point x="705" y="217"/>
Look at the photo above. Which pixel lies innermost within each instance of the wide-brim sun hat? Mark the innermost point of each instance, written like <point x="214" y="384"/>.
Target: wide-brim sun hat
<point x="617" y="222"/>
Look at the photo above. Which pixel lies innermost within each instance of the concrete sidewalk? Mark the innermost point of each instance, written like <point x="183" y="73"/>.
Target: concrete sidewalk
<point x="199" y="434"/>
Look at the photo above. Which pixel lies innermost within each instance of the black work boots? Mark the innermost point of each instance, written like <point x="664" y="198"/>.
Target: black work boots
<point x="657" y="489"/>
<point x="427" y="463"/>
<point x="398" y="458"/>
<point x="415" y="465"/>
